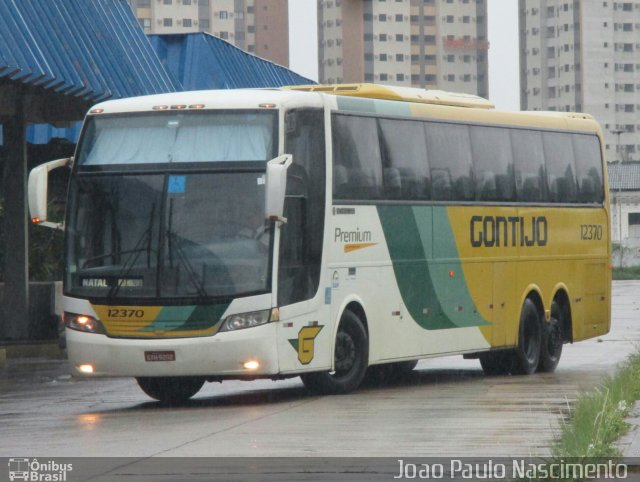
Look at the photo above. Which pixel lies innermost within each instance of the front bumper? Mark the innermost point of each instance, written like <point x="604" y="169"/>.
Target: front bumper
<point x="220" y="355"/>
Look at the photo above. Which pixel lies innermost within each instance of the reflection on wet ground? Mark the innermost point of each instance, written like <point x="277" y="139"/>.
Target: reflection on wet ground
<point x="444" y="407"/>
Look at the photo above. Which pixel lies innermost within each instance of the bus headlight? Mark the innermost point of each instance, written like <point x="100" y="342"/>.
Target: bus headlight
<point x="85" y="323"/>
<point x="245" y="320"/>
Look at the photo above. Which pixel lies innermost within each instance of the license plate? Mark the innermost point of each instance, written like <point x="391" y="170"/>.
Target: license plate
<point x="152" y="356"/>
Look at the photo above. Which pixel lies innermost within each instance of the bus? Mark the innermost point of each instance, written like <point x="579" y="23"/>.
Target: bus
<point x="330" y="232"/>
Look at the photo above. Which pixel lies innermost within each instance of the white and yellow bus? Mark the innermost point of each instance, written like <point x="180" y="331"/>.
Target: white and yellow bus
<point x="326" y="231"/>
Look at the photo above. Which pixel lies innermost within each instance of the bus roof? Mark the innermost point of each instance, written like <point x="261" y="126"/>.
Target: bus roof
<point x="207" y="99"/>
<point x="404" y="94"/>
<point x="423" y="103"/>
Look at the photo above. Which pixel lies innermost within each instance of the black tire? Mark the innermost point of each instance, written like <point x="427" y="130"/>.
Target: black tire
<point x="527" y="355"/>
<point x="552" y="338"/>
<point x="351" y="360"/>
<point x="170" y="390"/>
<point x="496" y="362"/>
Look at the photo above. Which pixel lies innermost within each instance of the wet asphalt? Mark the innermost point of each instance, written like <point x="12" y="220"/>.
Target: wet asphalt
<point x="446" y="407"/>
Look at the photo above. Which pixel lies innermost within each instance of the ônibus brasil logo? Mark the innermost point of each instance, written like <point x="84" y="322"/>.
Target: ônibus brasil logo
<point x="32" y="470"/>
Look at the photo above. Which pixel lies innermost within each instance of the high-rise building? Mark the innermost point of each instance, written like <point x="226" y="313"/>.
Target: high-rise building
<point x="257" y="26"/>
<point x="583" y="56"/>
<point x="435" y="44"/>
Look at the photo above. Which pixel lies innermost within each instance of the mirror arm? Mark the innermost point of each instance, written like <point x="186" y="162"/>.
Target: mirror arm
<point x="49" y="224"/>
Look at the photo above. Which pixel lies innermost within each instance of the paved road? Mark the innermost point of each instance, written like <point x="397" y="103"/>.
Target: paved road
<point x="447" y="408"/>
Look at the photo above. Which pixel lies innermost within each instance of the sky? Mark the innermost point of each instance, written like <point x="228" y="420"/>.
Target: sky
<point x="503" y="51"/>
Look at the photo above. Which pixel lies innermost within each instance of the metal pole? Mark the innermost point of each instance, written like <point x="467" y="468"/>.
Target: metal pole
<point x="619" y="150"/>
<point x="16" y="274"/>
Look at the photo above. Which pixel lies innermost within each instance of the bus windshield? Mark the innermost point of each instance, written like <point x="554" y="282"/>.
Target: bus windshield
<point x="187" y="235"/>
<point x="158" y="209"/>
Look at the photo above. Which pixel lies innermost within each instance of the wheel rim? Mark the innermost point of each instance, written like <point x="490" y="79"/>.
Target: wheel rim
<point x="345" y="353"/>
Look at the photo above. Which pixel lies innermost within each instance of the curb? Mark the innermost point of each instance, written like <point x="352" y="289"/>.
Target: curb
<point x="629" y="444"/>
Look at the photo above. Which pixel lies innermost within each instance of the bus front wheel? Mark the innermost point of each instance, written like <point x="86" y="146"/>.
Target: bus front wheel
<point x="170" y="390"/>
<point x="351" y="360"/>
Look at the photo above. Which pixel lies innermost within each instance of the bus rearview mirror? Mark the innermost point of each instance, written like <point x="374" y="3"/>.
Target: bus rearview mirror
<point x="38" y="191"/>
<point x="276" y="187"/>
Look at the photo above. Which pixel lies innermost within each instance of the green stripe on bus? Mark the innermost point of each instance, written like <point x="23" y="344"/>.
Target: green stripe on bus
<point x="205" y="316"/>
<point x="434" y="300"/>
<point x="187" y="318"/>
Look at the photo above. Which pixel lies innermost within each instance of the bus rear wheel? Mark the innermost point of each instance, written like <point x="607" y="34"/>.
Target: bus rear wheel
<point x="351" y="360"/>
<point x="552" y="338"/>
<point x="170" y="390"/>
<point x="527" y="355"/>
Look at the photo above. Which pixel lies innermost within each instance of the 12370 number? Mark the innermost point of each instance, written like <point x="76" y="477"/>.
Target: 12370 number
<point x="591" y="232"/>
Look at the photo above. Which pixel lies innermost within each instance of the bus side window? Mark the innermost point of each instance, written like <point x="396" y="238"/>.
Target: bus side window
<point x="449" y="152"/>
<point x="356" y="148"/>
<point x="560" y="167"/>
<point x="588" y="168"/>
<point x="406" y="174"/>
<point x="528" y="155"/>
<point x="492" y="164"/>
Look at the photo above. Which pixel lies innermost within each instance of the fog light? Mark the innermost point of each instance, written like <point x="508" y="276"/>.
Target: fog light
<point x="251" y="365"/>
<point x="87" y="368"/>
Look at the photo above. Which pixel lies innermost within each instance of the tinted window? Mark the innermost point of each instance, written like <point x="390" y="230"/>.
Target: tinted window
<point x="588" y="168"/>
<point x="449" y="151"/>
<point x="492" y="164"/>
<point x="558" y="153"/>
<point x="301" y="237"/>
<point x="406" y="170"/>
<point x="528" y="156"/>
<point x="357" y="172"/>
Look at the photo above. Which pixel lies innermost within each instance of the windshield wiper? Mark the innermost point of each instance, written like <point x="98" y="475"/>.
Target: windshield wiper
<point x="174" y="240"/>
<point x="147" y="235"/>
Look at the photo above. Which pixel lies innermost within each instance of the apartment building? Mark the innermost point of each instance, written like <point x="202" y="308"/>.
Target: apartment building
<point x="434" y="44"/>
<point x="257" y="26"/>
<point x="583" y="56"/>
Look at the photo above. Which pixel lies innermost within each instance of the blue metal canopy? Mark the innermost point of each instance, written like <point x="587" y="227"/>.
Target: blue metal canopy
<point x="195" y="61"/>
<point x="199" y="61"/>
<point x="91" y="49"/>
